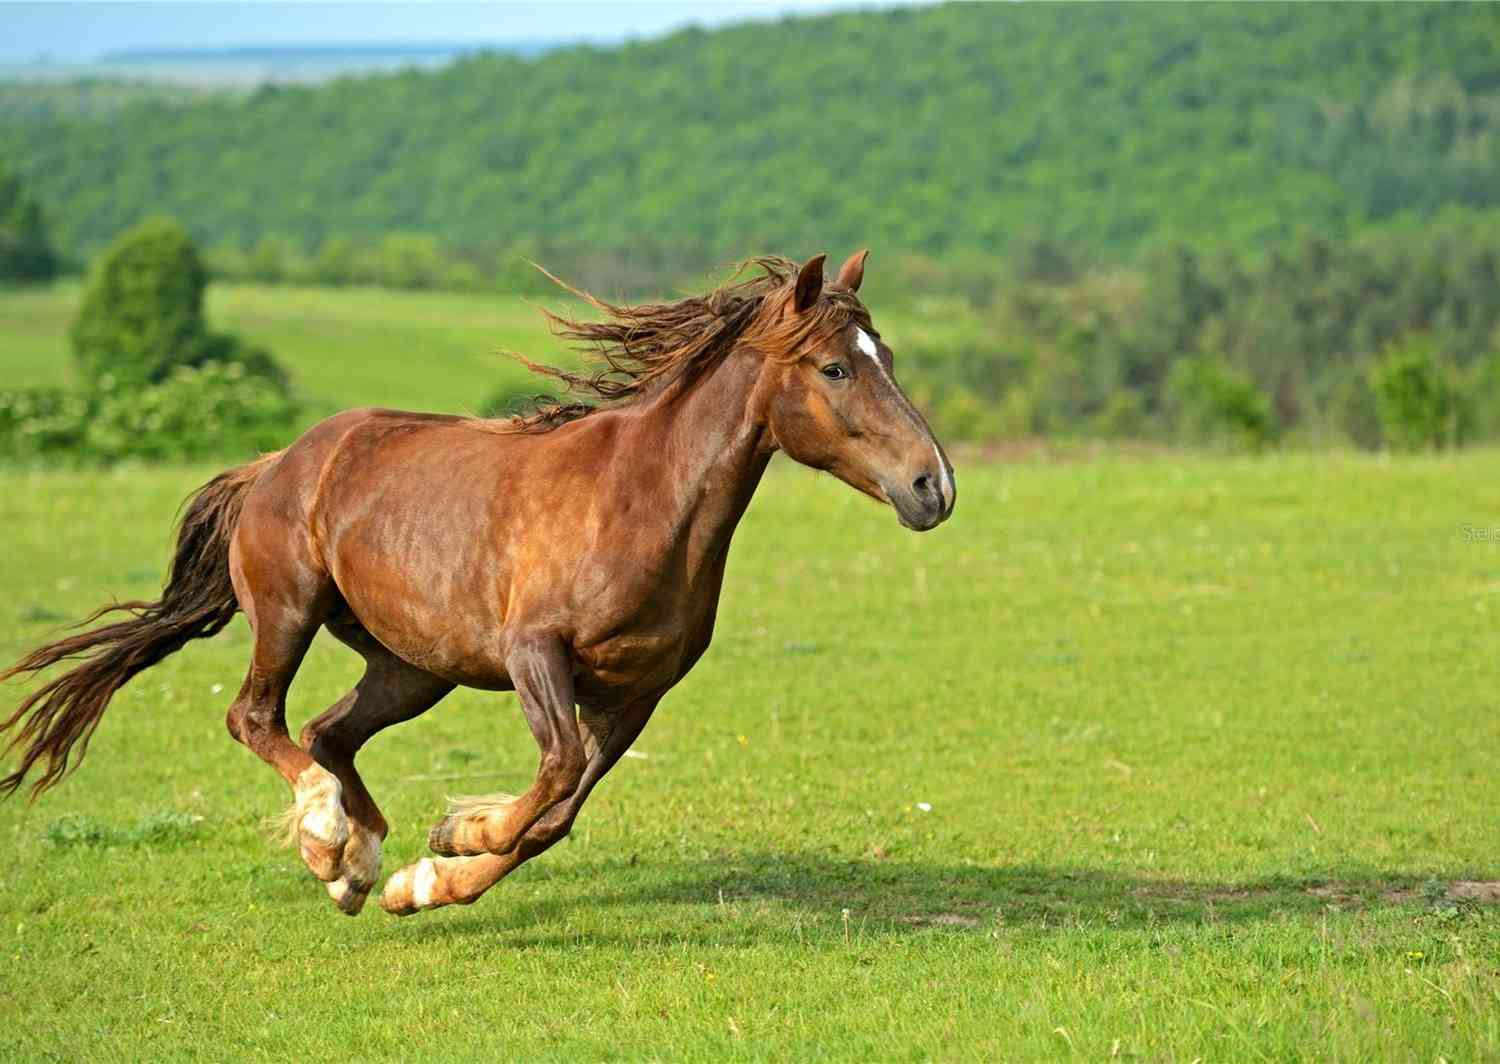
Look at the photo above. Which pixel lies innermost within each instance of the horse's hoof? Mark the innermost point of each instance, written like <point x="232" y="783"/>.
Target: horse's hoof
<point x="440" y="840"/>
<point x="349" y="899"/>
<point x="358" y="871"/>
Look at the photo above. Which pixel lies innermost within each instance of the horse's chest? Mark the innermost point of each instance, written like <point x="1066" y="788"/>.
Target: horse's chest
<point x="643" y="655"/>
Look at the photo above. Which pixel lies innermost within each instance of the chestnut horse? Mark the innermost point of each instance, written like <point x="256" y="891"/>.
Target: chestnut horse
<point x="574" y="555"/>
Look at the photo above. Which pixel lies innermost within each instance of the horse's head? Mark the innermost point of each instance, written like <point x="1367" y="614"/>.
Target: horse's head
<point x="834" y="403"/>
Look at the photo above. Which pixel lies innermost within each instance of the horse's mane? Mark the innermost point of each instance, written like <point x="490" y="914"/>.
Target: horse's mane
<point x="636" y="350"/>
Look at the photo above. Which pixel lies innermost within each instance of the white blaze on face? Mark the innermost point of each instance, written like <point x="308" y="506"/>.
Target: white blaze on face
<point x="866" y="345"/>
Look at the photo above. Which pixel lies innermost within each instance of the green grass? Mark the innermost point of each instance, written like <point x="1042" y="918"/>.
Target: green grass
<point x="1205" y="745"/>
<point x="345" y="346"/>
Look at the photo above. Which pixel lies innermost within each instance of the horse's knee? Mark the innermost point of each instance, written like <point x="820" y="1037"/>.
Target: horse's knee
<point x="254" y="724"/>
<point x="234" y="720"/>
<point x="562" y="769"/>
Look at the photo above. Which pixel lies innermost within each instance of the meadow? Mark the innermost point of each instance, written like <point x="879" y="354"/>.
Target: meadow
<point x="344" y="347"/>
<point x="1168" y="758"/>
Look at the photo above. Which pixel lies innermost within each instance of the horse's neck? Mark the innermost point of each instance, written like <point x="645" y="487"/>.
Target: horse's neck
<point x="710" y="457"/>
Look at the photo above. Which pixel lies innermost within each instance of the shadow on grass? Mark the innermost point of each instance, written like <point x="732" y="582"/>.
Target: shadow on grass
<point x="705" y="901"/>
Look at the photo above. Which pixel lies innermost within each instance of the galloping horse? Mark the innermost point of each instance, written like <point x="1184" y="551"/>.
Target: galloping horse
<point x="573" y="555"/>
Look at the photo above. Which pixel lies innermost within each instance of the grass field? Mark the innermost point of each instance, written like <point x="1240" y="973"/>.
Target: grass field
<point x="345" y="346"/>
<point x="1167" y="759"/>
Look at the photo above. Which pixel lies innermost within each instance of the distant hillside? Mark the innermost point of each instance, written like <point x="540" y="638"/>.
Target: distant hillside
<point x="1110" y="127"/>
<point x="309" y="64"/>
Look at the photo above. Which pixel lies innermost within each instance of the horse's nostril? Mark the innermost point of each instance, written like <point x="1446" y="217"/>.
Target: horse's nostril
<point x="923" y="488"/>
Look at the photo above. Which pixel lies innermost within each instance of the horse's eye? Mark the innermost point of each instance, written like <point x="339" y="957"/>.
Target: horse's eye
<point x="835" y="371"/>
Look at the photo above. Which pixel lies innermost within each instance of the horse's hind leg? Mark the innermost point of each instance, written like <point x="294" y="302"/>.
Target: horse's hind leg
<point x="257" y="718"/>
<point x="390" y="692"/>
<point x="286" y="597"/>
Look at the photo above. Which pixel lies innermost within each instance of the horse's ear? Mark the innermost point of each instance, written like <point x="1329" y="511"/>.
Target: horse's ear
<point x="809" y="283"/>
<point x="853" y="270"/>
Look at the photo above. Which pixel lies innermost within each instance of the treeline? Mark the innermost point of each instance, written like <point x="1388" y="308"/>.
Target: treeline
<point x="1388" y="340"/>
<point x="1107" y="128"/>
<point x="1391" y="340"/>
<point x="416" y="261"/>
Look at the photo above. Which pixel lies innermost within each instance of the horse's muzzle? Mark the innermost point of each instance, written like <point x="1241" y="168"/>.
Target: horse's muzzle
<point x="927" y="501"/>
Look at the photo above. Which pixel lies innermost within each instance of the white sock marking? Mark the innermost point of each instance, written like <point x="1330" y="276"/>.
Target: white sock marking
<point x="322" y="815"/>
<point x="423" y="882"/>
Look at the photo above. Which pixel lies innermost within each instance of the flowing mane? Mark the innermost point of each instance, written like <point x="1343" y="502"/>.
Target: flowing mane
<point x="636" y="350"/>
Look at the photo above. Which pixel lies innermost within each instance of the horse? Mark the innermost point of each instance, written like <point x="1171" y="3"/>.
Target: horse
<point x="573" y="555"/>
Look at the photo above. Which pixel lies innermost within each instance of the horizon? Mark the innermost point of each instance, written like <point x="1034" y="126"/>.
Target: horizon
<point x="64" y="33"/>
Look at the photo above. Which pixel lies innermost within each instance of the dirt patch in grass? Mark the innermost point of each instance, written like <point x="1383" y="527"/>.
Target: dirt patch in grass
<point x="1475" y="890"/>
<point x="941" y="920"/>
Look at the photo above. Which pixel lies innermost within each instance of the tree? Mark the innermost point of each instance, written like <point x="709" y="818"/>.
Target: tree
<point x="25" y="249"/>
<point x="142" y="315"/>
<point x="1415" y="397"/>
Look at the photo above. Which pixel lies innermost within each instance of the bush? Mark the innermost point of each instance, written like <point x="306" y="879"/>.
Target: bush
<point x="218" y="409"/>
<point x="1416" y="398"/>
<point x="410" y="260"/>
<point x="41" y="422"/>
<point x="1123" y="416"/>
<point x="142" y="314"/>
<point x="268" y="261"/>
<point x="1211" y="403"/>
<point x="229" y="349"/>
<point x="334" y="264"/>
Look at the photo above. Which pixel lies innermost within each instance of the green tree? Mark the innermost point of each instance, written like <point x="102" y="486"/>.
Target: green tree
<point x="142" y="314"/>
<point x="25" y="248"/>
<point x="1415" y="397"/>
<point x="1212" y="403"/>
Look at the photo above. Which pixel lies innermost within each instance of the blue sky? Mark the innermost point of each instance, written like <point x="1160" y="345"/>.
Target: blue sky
<point x="75" y="32"/>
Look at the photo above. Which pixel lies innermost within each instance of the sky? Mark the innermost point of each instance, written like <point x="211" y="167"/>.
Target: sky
<point x="79" y="32"/>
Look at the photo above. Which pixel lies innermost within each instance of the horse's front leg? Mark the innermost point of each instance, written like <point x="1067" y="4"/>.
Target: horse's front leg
<point x="542" y="673"/>
<point x="462" y="880"/>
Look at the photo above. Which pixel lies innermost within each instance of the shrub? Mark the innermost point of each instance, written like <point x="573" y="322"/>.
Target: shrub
<point x="142" y="314"/>
<point x="1416" y="399"/>
<point x="410" y="260"/>
<point x="218" y="409"/>
<point x="268" y="261"/>
<point x="41" y="422"/>
<point x="1123" y="416"/>
<point x="334" y="264"/>
<point x="1212" y="403"/>
<point x="227" y="349"/>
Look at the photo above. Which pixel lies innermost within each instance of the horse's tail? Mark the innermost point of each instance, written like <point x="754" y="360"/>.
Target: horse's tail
<point x="197" y="602"/>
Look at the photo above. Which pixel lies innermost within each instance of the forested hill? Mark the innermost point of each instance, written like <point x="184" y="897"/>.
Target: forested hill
<point x="1109" y="127"/>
